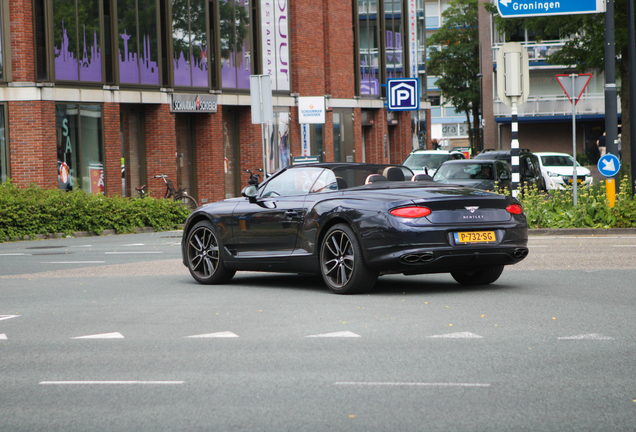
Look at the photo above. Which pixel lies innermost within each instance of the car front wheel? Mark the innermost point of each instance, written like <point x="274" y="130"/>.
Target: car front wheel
<point x="342" y="264"/>
<point x="205" y="260"/>
<point x="483" y="276"/>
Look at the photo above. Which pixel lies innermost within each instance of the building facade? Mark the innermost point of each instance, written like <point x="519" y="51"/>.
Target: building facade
<point x="104" y="94"/>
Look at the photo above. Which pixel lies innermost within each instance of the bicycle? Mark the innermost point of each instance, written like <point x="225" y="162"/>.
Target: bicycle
<point x="254" y="178"/>
<point x="171" y="192"/>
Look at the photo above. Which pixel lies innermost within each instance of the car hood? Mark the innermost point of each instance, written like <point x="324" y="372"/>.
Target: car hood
<point x="567" y="171"/>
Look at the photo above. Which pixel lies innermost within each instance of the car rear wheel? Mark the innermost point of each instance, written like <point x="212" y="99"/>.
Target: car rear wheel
<point x="205" y="260"/>
<point x="342" y="264"/>
<point x="484" y="276"/>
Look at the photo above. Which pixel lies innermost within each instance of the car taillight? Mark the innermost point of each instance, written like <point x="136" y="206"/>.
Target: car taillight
<point x="514" y="209"/>
<point x="411" y="212"/>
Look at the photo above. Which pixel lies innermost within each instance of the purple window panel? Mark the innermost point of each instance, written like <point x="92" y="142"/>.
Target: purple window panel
<point x="128" y="68"/>
<point x="200" y="70"/>
<point x="149" y="68"/>
<point x="182" y="75"/>
<point x="65" y="62"/>
<point x="91" y="65"/>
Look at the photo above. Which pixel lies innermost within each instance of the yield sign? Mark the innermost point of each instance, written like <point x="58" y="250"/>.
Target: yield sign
<point x="580" y="82"/>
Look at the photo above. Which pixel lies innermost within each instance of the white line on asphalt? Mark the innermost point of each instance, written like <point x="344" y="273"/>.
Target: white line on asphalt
<point x="114" y="335"/>
<point x="458" y="335"/>
<point x="74" y="262"/>
<point x="6" y="317"/>
<point x="140" y="252"/>
<point x="335" y="334"/>
<point x="591" y="336"/>
<point x="3" y="336"/>
<point x="14" y="254"/>
<point x="136" y="244"/>
<point x="413" y="384"/>
<point x="225" y="334"/>
<point x="110" y="382"/>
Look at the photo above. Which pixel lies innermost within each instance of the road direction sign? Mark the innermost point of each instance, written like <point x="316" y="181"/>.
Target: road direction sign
<point x="528" y="8"/>
<point x="609" y="165"/>
<point x="403" y="94"/>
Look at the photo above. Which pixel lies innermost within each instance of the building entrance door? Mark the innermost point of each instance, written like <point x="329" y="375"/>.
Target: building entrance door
<point x="343" y="140"/>
<point x="186" y="154"/>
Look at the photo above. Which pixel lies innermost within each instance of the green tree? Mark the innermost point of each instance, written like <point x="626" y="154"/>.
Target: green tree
<point x="457" y="62"/>
<point x="585" y="48"/>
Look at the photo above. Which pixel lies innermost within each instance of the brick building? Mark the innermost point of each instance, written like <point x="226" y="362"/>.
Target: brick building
<point x="103" y="94"/>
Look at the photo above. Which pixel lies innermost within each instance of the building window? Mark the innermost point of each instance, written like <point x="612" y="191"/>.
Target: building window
<point x="189" y="42"/>
<point x="137" y="42"/>
<point x="369" y="43"/>
<point x="80" y="149"/>
<point x="394" y="34"/>
<point x="76" y="40"/>
<point x="236" y="46"/>
<point x="4" y="151"/>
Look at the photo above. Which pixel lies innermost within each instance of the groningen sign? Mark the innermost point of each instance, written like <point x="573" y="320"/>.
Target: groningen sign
<point x="530" y="8"/>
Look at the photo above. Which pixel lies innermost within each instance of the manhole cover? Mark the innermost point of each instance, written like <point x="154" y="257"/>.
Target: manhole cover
<point x="45" y="247"/>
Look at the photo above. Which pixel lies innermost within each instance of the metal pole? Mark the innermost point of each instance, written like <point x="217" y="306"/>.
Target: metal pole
<point x="514" y="149"/>
<point x="631" y="55"/>
<point x="611" y="111"/>
<point x="575" y="178"/>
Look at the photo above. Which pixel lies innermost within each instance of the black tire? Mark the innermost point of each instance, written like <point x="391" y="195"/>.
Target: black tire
<point x="478" y="277"/>
<point x="341" y="262"/>
<point x="204" y="256"/>
<point x="187" y="201"/>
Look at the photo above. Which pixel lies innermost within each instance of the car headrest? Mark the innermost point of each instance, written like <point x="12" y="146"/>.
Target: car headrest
<point x="342" y="183"/>
<point x="393" y="174"/>
<point x="421" y="177"/>
<point x="373" y="178"/>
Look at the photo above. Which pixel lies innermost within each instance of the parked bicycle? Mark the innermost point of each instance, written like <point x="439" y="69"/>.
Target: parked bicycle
<point x="254" y="178"/>
<point x="180" y="195"/>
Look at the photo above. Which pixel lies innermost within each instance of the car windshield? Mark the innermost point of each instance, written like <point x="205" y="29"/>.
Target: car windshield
<point x="430" y="161"/>
<point x="557" y="161"/>
<point x="464" y="171"/>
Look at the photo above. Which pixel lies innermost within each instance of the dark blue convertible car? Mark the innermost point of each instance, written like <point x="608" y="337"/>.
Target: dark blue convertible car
<point x="351" y="223"/>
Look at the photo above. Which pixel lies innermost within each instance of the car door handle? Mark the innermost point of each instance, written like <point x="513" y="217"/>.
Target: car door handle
<point x="291" y="213"/>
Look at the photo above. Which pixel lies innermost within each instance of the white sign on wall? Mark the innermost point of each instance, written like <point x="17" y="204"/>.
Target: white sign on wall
<point x="311" y="110"/>
<point x="275" y="42"/>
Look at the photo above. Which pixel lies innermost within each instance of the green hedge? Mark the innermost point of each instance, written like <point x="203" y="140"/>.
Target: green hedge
<point x="33" y="210"/>
<point x="556" y="209"/>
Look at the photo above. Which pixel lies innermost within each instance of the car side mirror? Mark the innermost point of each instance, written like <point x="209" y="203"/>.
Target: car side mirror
<point x="504" y="176"/>
<point x="249" y="192"/>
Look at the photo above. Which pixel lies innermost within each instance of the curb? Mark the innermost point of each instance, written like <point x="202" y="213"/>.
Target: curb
<point x="580" y="231"/>
<point x="80" y="234"/>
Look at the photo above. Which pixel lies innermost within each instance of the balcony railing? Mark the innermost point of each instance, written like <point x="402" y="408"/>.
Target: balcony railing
<point x="537" y="51"/>
<point x="589" y="104"/>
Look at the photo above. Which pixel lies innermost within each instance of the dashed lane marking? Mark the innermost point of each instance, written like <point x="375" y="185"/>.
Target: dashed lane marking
<point x="458" y="335"/>
<point x="114" y="335"/>
<point x="111" y="382"/>
<point x="411" y="384"/>
<point x="341" y="334"/>
<point x="6" y="317"/>
<point x="139" y="252"/>
<point x="591" y="336"/>
<point x="73" y="262"/>
<point x="225" y="334"/>
<point x="3" y="336"/>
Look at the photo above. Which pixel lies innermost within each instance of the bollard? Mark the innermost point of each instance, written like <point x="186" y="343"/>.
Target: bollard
<point x="611" y="192"/>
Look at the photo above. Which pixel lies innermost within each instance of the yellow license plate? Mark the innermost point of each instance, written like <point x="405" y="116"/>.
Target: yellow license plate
<point x="475" y="237"/>
<point x="579" y="181"/>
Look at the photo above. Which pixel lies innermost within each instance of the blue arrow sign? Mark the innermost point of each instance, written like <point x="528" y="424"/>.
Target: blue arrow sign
<point x="528" y="8"/>
<point x="403" y="94"/>
<point x="609" y="165"/>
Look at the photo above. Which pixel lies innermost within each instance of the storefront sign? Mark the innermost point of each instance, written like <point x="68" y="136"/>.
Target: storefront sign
<point x="311" y="110"/>
<point x="97" y="179"/>
<point x="193" y="103"/>
<point x="275" y="42"/>
<point x="412" y="38"/>
<point x="304" y="140"/>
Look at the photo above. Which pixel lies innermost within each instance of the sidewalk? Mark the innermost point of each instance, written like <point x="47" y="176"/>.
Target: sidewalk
<point x="581" y="231"/>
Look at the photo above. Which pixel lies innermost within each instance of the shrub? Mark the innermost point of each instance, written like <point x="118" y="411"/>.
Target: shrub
<point x="33" y="210"/>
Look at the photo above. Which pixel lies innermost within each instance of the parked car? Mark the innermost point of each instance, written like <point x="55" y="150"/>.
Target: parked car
<point x="479" y="174"/>
<point x="428" y="161"/>
<point x="529" y="168"/>
<point x="351" y="223"/>
<point x="557" y="170"/>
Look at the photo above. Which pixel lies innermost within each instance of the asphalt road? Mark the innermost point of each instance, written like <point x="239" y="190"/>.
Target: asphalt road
<point x="112" y="334"/>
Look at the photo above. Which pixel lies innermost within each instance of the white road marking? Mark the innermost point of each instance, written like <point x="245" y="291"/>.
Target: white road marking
<point x="458" y="335"/>
<point x="346" y="334"/>
<point x="110" y="382"/>
<point x="6" y="317"/>
<point x="73" y="262"/>
<point x="225" y="334"/>
<point x="13" y="254"/>
<point x="136" y="244"/>
<point x="413" y="384"/>
<point x="115" y="335"/>
<point x="140" y="252"/>
<point x="3" y="336"/>
<point x="591" y="336"/>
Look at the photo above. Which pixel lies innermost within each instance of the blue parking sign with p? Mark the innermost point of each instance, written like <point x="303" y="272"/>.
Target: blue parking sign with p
<point x="403" y="94"/>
